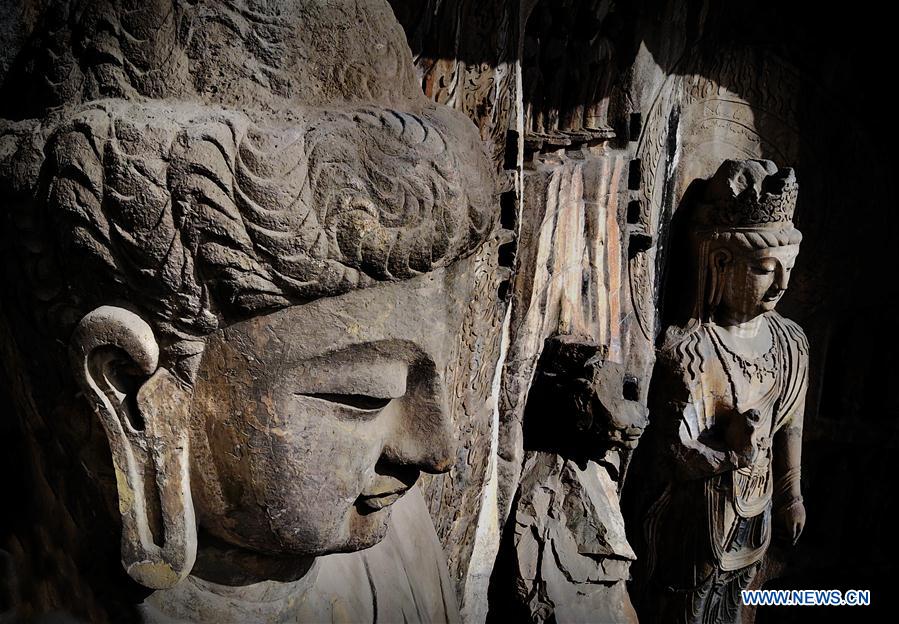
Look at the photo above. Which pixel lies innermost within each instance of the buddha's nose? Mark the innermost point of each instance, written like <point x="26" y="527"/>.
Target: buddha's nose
<point x="423" y="435"/>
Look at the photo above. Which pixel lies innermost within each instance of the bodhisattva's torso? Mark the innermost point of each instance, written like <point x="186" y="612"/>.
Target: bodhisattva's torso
<point x="724" y="377"/>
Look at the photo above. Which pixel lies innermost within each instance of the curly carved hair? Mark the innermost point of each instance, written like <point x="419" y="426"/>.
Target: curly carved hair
<point x="198" y="215"/>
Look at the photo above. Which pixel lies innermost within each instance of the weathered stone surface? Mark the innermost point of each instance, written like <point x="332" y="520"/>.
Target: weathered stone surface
<point x="566" y="242"/>
<point x="463" y="51"/>
<point x="598" y="117"/>
<point x="568" y="547"/>
<point x="225" y="234"/>
<point x="564" y="384"/>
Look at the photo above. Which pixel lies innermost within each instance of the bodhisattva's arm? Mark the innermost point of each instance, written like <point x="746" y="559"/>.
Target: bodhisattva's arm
<point x="787" y="458"/>
<point x="674" y="411"/>
<point x="789" y="510"/>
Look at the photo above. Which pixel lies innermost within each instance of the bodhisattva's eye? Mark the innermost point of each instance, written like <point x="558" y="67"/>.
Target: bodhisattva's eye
<point x="763" y="267"/>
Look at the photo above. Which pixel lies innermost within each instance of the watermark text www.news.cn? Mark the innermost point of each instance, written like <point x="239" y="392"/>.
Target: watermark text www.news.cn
<point x="806" y="597"/>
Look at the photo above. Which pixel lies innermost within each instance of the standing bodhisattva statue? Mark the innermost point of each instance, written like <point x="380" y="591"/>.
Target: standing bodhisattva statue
<point x="727" y="402"/>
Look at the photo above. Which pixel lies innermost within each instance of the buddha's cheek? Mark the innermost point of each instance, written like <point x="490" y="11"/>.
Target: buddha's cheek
<point x="319" y="467"/>
<point x="288" y="476"/>
<point x="756" y="288"/>
<point x="310" y="473"/>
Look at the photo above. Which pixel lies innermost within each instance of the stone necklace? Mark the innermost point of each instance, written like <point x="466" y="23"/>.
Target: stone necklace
<point x="757" y="368"/>
<point x="751" y="369"/>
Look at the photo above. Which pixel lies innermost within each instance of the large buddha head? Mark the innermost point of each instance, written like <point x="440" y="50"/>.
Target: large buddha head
<point x="745" y="241"/>
<point x="239" y="239"/>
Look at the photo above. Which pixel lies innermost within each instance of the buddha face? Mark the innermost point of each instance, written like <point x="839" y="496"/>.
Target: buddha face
<point x="309" y="422"/>
<point x="301" y="427"/>
<point x="758" y="279"/>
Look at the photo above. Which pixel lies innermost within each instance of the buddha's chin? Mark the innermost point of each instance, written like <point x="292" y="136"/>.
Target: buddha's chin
<point x="769" y="302"/>
<point x="365" y="530"/>
<point x="763" y="306"/>
<point x="356" y="531"/>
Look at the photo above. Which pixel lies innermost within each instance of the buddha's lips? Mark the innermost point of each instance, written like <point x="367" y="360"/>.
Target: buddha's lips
<point x="378" y="501"/>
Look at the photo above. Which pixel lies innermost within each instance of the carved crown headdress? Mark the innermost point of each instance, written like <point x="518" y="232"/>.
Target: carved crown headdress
<point x="747" y="203"/>
<point x="749" y="195"/>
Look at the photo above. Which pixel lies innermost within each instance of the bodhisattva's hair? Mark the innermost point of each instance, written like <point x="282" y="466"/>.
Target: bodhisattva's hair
<point x="755" y="240"/>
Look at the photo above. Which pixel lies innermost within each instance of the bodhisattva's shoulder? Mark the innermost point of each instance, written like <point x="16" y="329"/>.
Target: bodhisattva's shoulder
<point x="790" y="329"/>
<point x="679" y="365"/>
<point x="683" y="349"/>
<point x="678" y="337"/>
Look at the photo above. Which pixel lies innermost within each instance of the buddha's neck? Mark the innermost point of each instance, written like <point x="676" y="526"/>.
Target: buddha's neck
<point x="229" y="565"/>
<point x="197" y="600"/>
<point x="229" y="583"/>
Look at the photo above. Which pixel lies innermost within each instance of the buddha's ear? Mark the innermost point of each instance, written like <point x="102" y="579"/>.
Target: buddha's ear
<point x="144" y="411"/>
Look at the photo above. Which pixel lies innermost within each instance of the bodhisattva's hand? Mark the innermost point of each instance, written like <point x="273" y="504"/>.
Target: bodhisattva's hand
<point x="741" y="436"/>
<point x="790" y="520"/>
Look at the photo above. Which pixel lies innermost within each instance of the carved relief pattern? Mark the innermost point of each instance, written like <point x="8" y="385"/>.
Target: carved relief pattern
<point x="568" y="72"/>
<point x="652" y="154"/>
<point x="470" y="377"/>
<point x="468" y="69"/>
<point x="460" y="49"/>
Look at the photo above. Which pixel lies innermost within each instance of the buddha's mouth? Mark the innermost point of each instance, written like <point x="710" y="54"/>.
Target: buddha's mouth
<point x="388" y="486"/>
<point x="772" y="296"/>
<point x="369" y="503"/>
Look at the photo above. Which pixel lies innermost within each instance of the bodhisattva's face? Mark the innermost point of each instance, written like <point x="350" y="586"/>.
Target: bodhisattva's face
<point x="311" y="421"/>
<point x="758" y="279"/>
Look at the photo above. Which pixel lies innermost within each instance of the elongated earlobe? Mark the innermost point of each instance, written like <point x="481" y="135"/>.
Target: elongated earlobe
<point x="144" y="412"/>
<point x="719" y="262"/>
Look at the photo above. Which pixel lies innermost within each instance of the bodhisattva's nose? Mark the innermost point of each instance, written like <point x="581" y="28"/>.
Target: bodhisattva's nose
<point x="782" y="277"/>
<point x="423" y="435"/>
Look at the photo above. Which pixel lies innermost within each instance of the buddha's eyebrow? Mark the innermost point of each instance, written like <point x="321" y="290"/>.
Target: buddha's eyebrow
<point x="390" y="349"/>
<point x="378" y="369"/>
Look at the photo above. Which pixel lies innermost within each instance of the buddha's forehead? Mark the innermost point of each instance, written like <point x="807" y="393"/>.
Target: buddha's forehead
<point x="406" y="320"/>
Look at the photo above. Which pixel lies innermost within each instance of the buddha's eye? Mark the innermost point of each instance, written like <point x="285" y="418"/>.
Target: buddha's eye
<point x="351" y="384"/>
<point x="359" y="402"/>
<point x="762" y="269"/>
